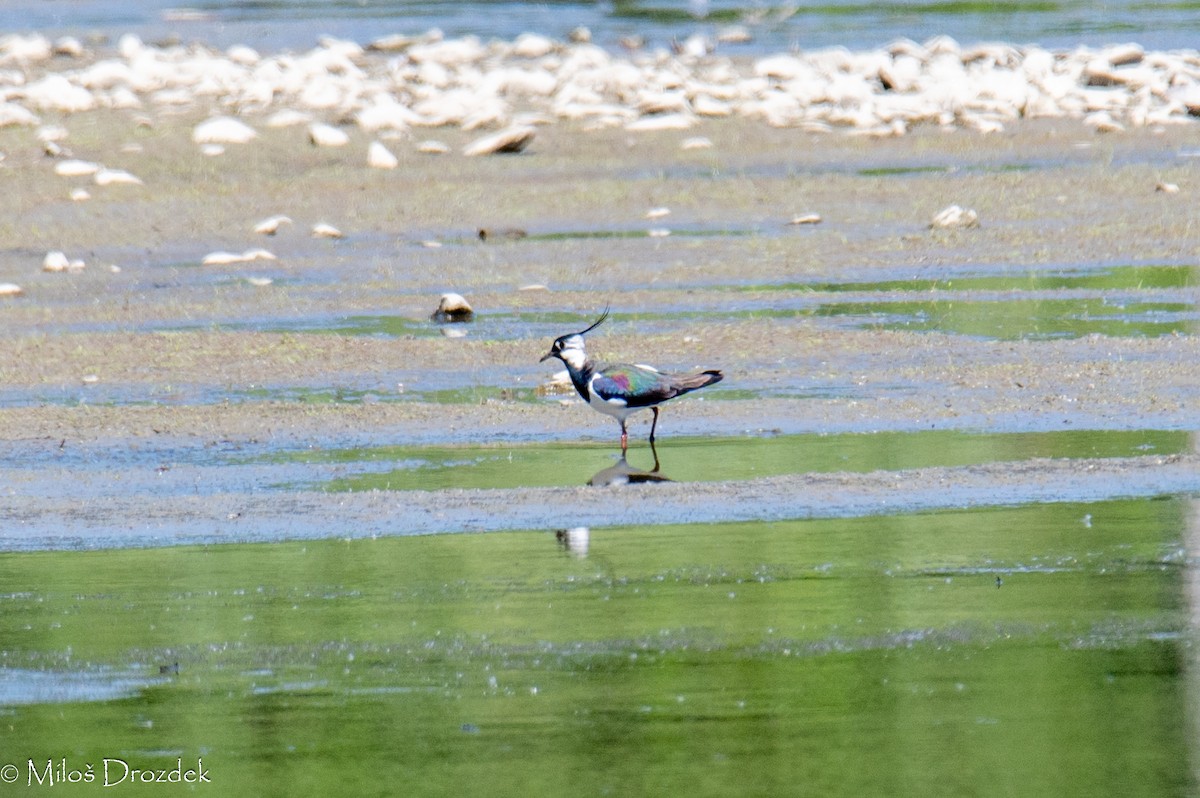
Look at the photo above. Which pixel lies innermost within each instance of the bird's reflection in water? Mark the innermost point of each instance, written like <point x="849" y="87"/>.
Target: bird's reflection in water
<point x="621" y="473"/>
<point x="576" y="540"/>
<point x="573" y="540"/>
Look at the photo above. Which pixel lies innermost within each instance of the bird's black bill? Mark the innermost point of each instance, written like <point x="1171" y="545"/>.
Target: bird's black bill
<point x="547" y="356"/>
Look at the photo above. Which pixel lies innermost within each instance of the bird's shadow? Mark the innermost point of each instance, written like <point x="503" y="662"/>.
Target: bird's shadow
<point x="622" y="473"/>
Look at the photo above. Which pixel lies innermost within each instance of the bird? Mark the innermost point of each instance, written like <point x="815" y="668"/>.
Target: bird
<point x="620" y="390"/>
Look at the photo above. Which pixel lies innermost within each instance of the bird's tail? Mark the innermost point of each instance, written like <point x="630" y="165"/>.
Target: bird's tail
<point x="690" y="382"/>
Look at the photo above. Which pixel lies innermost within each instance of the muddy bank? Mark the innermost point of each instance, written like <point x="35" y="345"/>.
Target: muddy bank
<point x="113" y="520"/>
<point x="162" y="354"/>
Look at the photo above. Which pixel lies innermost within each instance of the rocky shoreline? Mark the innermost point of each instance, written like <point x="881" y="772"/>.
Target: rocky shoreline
<point x="399" y="85"/>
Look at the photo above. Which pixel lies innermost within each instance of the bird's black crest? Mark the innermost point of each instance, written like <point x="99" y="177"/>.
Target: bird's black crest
<point x="596" y="323"/>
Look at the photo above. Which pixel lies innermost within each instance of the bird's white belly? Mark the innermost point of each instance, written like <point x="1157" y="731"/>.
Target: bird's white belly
<point x="617" y="408"/>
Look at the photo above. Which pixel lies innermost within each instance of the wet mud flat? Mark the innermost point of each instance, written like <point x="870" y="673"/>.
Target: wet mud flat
<point x="1070" y="306"/>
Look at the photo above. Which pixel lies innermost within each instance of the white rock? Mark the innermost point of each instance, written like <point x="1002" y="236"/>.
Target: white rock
<point x="55" y="92"/>
<point x="431" y="147"/>
<point x="450" y="52"/>
<point x="705" y="105"/>
<point x="243" y="55"/>
<point x="391" y="43"/>
<point x="324" y="230"/>
<point x="323" y="135"/>
<point x="1122" y="54"/>
<point x="806" y="218"/>
<point x="48" y="133"/>
<point x="23" y="49"/>
<point x="222" y="258"/>
<point x="270" y="226"/>
<point x="379" y="157"/>
<point x="259" y="254"/>
<point x="130" y="46"/>
<point x="531" y="45"/>
<point x="1103" y="122"/>
<point x="780" y="67"/>
<point x="513" y="139"/>
<point x="453" y="308"/>
<point x="223" y="130"/>
<point x="384" y="113"/>
<point x="13" y="114"/>
<point x="695" y="46"/>
<point x="288" y="117"/>
<point x="113" y="177"/>
<point x="11" y="289"/>
<point x="657" y="213"/>
<point x="696" y="143"/>
<point x="735" y="34"/>
<point x="76" y="168"/>
<point x="55" y="261"/>
<point x="661" y="122"/>
<point x="955" y="216"/>
<point x="80" y="195"/>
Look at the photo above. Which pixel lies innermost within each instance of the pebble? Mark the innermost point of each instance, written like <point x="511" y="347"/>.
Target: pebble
<point x="379" y="157"/>
<point x="270" y="226"/>
<point x="49" y="133"/>
<point x="57" y="261"/>
<point x="76" y="168"/>
<point x="453" y="308"/>
<point x="11" y="289"/>
<point x="325" y="230"/>
<point x="323" y="135"/>
<point x="513" y="139"/>
<point x="222" y="258"/>
<point x="806" y="218"/>
<point x="114" y="177"/>
<point x="954" y="216"/>
<point x="223" y="130"/>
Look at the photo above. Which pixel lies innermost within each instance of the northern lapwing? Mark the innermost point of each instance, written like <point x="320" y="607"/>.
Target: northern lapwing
<point x="621" y="390"/>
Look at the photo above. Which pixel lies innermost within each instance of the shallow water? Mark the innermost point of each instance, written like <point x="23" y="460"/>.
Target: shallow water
<point x="295" y="24"/>
<point x="711" y="459"/>
<point x="943" y="653"/>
